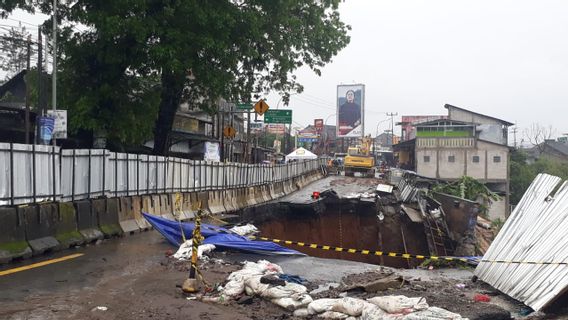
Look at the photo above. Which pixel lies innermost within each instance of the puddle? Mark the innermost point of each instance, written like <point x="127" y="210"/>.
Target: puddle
<point x="350" y="224"/>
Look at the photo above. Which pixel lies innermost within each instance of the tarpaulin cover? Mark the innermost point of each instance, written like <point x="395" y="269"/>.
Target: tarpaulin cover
<point x="221" y="237"/>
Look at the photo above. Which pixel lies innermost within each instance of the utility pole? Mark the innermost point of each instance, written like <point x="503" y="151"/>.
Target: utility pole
<point x="514" y="130"/>
<point x="249" y="149"/>
<point x="41" y="106"/>
<point x="28" y="67"/>
<point x="392" y="114"/>
<point x="54" y="71"/>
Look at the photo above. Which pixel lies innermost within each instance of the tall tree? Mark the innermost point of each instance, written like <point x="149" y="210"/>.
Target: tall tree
<point x="14" y="50"/>
<point x="202" y="50"/>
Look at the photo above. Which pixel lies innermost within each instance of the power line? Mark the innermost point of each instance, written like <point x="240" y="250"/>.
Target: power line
<point x="24" y="22"/>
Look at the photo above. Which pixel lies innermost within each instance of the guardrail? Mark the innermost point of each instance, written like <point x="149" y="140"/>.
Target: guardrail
<point x="38" y="173"/>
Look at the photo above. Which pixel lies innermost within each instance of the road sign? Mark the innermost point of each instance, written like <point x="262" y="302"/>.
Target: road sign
<point x="229" y="132"/>
<point x="278" y="116"/>
<point x="244" y="106"/>
<point x="261" y="107"/>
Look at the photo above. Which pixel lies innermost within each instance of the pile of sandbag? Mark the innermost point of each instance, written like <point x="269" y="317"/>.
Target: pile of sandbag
<point x="294" y="297"/>
<point x="245" y="231"/>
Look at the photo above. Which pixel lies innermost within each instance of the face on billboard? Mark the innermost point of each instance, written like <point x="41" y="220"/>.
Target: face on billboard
<point x="350" y="110"/>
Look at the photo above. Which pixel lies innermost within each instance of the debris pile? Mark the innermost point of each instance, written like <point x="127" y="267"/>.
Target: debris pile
<point x="264" y="279"/>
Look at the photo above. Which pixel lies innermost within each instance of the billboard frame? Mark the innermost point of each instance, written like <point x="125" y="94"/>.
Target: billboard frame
<point x="362" y="110"/>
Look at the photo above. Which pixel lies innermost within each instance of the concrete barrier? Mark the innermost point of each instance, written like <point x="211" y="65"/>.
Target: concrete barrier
<point x="215" y="202"/>
<point x="187" y="208"/>
<point x="107" y="217"/>
<point x="227" y="200"/>
<point x="241" y="198"/>
<point x="267" y="196"/>
<point x="40" y="227"/>
<point x="147" y="204"/>
<point x="126" y="216"/>
<point x="137" y="213"/>
<point x="166" y="207"/>
<point x="250" y="196"/>
<point x="87" y="223"/>
<point x="202" y="201"/>
<point x="66" y="230"/>
<point x="13" y="244"/>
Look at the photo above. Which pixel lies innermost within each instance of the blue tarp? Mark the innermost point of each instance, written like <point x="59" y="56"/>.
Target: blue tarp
<point x="221" y="237"/>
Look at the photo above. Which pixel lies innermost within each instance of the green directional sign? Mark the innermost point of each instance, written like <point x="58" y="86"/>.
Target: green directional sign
<point x="244" y="106"/>
<point x="278" y="116"/>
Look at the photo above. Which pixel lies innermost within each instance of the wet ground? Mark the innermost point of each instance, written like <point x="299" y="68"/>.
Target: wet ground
<point x="131" y="278"/>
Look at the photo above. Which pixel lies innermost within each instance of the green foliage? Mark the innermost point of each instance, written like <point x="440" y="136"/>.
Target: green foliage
<point x="522" y="173"/>
<point x="198" y="52"/>
<point x="471" y="189"/>
<point x="14" y="51"/>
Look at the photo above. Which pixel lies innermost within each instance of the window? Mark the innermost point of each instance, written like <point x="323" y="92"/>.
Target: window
<point x="451" y="158"/>
<point x="475" y="159"/>
<point x="426" y="158"/>
<point x="497" y="159"/>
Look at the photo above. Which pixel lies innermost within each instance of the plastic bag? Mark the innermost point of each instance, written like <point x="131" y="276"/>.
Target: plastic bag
<point x="399" y="304"/>
<point x="245" y="230"/>
<point x="186" y="248"/>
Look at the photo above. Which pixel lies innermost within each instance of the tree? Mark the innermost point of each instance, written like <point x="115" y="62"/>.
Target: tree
<point x="537" y="134"/>
<point x="199" y="50"/>
<point x="14" y="51"/>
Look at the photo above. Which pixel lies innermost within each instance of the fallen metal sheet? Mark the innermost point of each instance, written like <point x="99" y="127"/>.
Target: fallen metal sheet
<point x="384" y="188"/>
<point x="534" y="239"/>
<point x="414" y="215"/>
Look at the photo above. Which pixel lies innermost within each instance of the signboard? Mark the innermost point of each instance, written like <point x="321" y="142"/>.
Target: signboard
<point x="229" y="132"/>
<point x="261" y="107"/>
<point x="244" y="106"/>
<point x="276" y="128"/>
<point x="350" y="110"/>
<point x="300" y="139"/>
<point x="278" y="116"/>
<point x="318" y="124"/>
<point x="46" y="126"/>
<point x="211" y="152"/>
<point x="60" y="129"/>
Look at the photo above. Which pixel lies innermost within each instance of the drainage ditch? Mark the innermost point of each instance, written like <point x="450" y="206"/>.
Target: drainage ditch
<point x="345" y="223"/>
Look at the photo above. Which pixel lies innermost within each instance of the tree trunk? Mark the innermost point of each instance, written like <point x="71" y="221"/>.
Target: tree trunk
<point x="170" y="98"/>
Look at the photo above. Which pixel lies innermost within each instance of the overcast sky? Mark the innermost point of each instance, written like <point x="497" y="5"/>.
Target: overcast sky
<point x="507" y="59"/>
<point x="504" y="58"/>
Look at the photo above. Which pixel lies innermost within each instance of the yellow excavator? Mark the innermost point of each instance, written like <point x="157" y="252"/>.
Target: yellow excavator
<point x="359" y="159"/>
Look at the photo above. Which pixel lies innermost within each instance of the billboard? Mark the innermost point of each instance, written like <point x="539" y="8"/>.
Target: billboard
<point x="350" y="110"/>
<point x="276" y="128"/>
<point x="318" y="124"/>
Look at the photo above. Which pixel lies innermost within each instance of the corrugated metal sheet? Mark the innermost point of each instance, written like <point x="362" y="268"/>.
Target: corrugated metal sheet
<point x="535" y="232"/>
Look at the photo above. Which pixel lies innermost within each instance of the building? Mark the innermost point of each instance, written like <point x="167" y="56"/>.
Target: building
<point x="464" y="143"/>
<point x="407" y="123"/>
<point x="13" y="111"/>
<point x="556" y="150"/>
<point x="386" y="140"/>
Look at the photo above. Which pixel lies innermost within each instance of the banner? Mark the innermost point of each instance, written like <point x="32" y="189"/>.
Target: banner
<point x="60" y="129"/>
<point x="211" y="152"/>
<point x="350" y="110"/>
<point x="46" y="126"/>
<point x="276" y="128"/>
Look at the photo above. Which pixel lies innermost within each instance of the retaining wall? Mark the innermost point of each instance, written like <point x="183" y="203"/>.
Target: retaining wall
<point x="37" y="228"/>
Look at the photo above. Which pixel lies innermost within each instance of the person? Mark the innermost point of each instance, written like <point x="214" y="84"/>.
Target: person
<point x="349" y="114"/>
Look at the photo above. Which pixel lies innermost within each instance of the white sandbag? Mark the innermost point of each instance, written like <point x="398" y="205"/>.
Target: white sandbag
<point x="186" y="248"/>
<point x="433" y="313"/>
<point x="321" y="305"/>
<point x="399" y="304"/>
<point x="333" y="315"/>
<point x="301" y="313"/>
<point x="372" y="312"/>
<point x="245" y="230"/>
<point x="292" y="303"/>
<point x="349" y="306"/>
<point x="253" y="286"/>
<point x="286" y="291"/>
<point x="234" y="288"/>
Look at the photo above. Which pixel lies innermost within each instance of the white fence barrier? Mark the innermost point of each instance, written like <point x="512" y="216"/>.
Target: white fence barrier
<point x="35" y="173"/>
